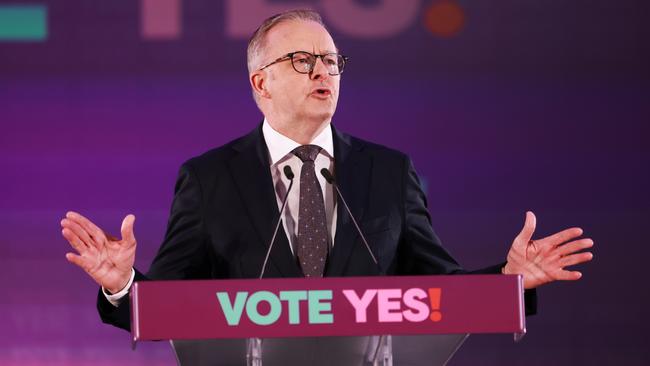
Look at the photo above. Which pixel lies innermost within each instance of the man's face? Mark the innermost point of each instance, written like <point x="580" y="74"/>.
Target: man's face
<point x="295" y="97"/>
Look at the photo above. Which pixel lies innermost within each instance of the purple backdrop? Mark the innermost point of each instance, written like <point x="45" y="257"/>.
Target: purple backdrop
<point x="514" y="105"/>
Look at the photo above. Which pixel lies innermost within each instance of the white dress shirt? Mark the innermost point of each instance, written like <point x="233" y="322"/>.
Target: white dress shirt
<point x="280" y="148"/>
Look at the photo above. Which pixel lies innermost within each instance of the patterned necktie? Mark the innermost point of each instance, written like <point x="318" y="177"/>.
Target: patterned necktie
<point x="312" y="225"/>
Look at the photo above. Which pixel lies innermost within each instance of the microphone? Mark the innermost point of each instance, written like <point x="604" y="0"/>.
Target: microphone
<point x="289" y="174"/>
<point x="330" y="179"/>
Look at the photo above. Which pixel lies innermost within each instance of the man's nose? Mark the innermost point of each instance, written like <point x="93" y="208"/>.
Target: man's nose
<point x="319" y="71"/>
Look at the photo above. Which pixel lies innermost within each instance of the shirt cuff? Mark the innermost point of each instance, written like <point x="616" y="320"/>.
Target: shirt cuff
<point x="116" y="298"/>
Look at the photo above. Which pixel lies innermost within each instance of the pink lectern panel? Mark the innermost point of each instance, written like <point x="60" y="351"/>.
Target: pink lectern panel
<point x="350" y="306"/>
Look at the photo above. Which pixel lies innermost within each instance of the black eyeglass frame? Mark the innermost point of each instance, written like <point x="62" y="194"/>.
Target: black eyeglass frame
<point x="289" y="56"/>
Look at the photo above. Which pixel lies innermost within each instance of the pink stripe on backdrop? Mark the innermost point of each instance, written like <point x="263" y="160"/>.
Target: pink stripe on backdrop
<point x="160" y="19"/>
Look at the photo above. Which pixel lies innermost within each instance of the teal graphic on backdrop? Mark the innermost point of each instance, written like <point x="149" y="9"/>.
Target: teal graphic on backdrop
<point x="23" y="23"/>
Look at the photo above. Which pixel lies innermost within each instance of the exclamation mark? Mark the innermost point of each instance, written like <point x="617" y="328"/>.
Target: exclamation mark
<point x="434" y="298"/>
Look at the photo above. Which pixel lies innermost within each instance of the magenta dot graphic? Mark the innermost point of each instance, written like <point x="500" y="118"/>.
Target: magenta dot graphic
<point x="160" y="20"/>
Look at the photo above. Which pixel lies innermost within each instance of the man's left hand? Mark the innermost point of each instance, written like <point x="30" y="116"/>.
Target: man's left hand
<point x="543" y="260"/>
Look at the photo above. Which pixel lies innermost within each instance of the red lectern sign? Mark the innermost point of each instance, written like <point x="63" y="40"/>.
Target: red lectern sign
<point x="351" y="306"/>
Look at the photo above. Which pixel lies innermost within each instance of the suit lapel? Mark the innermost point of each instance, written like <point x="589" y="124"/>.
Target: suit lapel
<point x="251" y="172"/>
<point x="352" y="170"/>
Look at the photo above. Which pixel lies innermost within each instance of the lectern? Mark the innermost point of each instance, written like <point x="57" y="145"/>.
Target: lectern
<point x="361" y="321"/>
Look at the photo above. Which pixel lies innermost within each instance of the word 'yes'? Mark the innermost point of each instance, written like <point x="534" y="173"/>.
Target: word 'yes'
<point x="395" y="306"/>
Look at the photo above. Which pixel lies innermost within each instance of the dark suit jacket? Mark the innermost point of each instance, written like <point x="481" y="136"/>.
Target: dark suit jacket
<point x="224" y="210"/>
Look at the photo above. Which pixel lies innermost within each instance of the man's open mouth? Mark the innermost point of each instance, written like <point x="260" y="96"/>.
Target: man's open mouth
<point x="322" y="92"/>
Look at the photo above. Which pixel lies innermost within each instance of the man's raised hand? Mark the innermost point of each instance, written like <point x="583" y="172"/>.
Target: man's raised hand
<point x="542" y="261"/>
<point x="106" y="259"/>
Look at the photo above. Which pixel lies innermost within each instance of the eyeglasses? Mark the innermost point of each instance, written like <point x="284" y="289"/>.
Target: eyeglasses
<point x="304" y="62"/>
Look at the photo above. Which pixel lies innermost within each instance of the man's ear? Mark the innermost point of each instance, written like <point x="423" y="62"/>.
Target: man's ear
<point x="258" y="83"/>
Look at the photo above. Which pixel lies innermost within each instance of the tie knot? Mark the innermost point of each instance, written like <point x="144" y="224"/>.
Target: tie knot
<point x="307" y="152"/>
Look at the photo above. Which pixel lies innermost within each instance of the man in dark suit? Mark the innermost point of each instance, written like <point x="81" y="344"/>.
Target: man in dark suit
<point x="227" y="199"/>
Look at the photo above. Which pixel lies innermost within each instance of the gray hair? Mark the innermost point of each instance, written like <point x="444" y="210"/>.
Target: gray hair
<point x="258" y="40"/>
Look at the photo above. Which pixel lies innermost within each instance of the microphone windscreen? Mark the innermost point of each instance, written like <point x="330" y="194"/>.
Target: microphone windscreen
<point x="288" y="172"/>
<point x="328" y="176"/>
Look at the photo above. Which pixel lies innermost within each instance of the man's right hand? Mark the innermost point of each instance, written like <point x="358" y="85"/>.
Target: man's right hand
<point x="106" y="259"/>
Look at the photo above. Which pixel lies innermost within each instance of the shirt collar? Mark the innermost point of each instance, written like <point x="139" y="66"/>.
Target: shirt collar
<point x="280" y="146"/>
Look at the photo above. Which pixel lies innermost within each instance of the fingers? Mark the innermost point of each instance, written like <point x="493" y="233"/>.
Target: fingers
<point x="78" y="260"/>
<point x="92" y="229"/>
<point x="574" y="246"/>
<point x="127" y="229"/>
<point x="74" y="241"/>
<point x="529" y="227"/>
<point x="569" y="276"/>
<point x="574" y="259"/>
<point x="563" y="236"/>
<point x="78" y="231"/>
